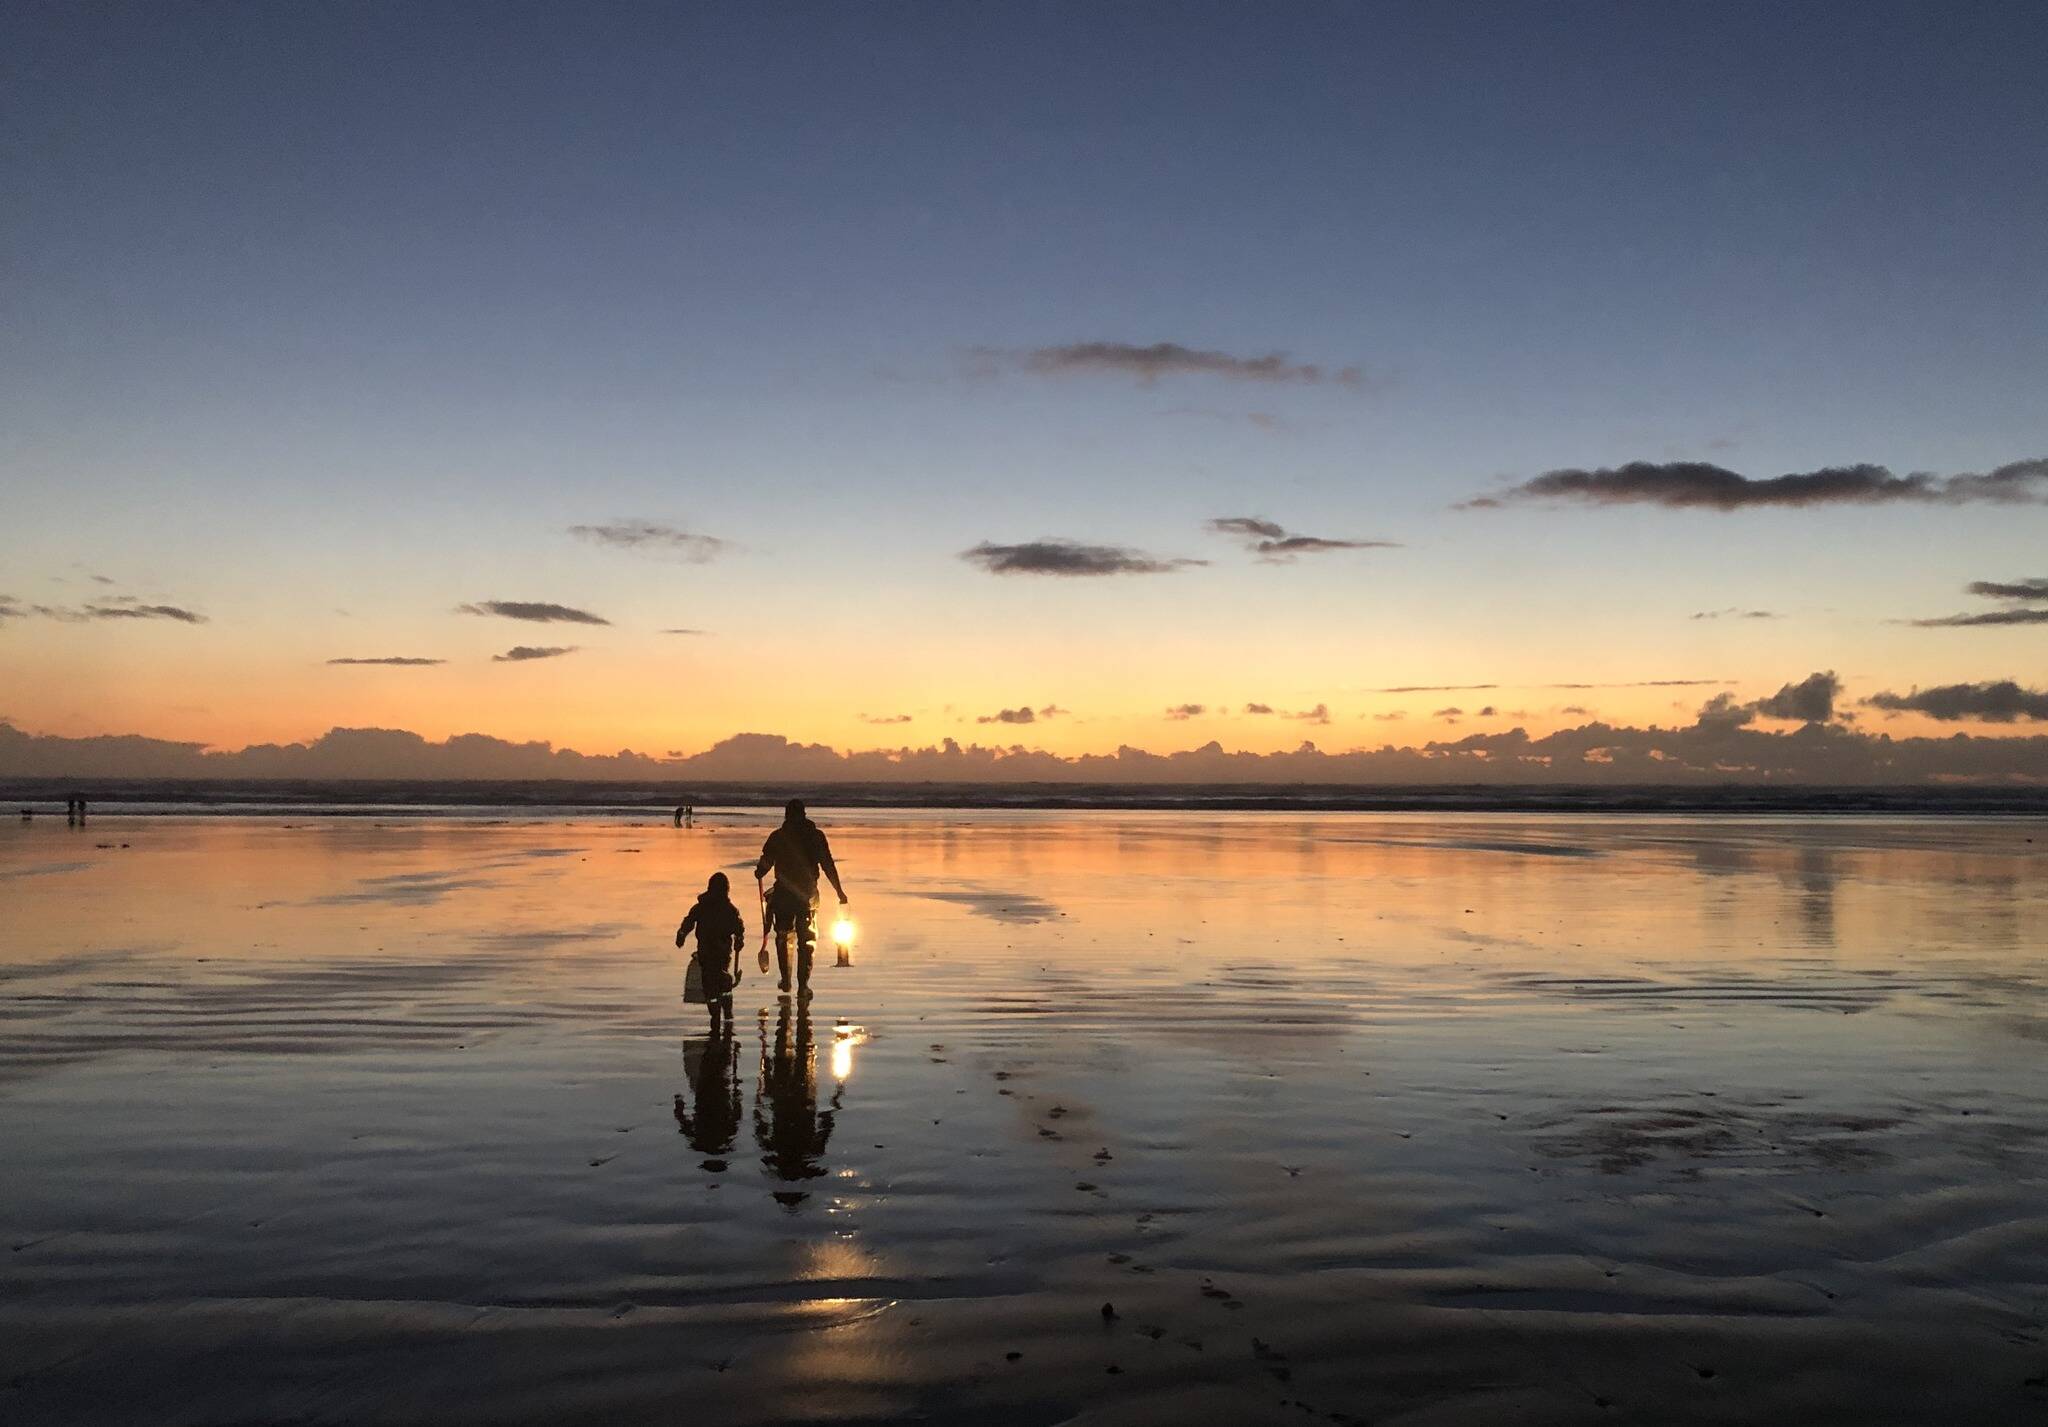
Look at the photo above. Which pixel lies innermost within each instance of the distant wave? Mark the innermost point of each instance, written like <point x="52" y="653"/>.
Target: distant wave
<point x="471" y="798"/>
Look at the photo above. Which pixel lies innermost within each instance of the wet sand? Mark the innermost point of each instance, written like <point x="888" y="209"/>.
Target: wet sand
<point x="1349" y="1118"/>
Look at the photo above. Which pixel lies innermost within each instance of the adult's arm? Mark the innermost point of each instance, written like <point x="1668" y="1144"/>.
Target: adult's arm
<point x="767" y="856"/>
<point x="684" y="930"/>
<point x="831" y="868"/>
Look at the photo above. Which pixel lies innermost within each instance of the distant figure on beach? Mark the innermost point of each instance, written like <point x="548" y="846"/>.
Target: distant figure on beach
<point x="686" y="817"/>
<point x="798" y="852"/>
<point x="710" y="1118"/>
<point x="721" y="935"/>
<point x="788" y="1126"/>
<point x="74" y="809"/>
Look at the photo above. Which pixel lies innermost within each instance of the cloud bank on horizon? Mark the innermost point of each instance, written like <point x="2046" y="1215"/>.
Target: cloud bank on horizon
<point x="1721" y="745"/>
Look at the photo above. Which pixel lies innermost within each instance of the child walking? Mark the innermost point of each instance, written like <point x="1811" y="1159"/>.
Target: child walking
<point x="720" y="937"/>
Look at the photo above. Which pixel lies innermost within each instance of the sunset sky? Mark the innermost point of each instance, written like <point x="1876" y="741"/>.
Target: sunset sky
<point x="803" y="329"/>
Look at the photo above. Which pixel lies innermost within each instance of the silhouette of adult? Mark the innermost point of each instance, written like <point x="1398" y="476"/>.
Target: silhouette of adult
<point x="797" y="851"/>
<point x="788" y="1126"/>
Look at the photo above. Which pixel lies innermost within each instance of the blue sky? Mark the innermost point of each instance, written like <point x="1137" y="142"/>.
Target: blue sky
<point x="359" y="307"/>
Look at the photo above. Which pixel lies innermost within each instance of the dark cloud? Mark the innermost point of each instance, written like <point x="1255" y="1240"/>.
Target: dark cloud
<point x="1431" y="688"/>
<point x="1699" y="485"/>
<point x="1020" y="715"/>
<point x="1724" y="711"/>
<point x="532" y="611"/>
<point x="2033" y="589"/>
<point x="1147" y="364"/>
<point x="127" y="608"/>
<point x="1811" y="700"/>
<point x="1452" y="712"/>
<point x="1395" y="717"/>
<point x="1734" y="613"/>
<point x="1992" y="616"/>
<point x="1576" y="711"/>
<point x="1487" y="712"/>
<point x="520" y="653"/>
<point x="399" y="660"/>
<point x="1272" y="543"/>
<point x="647" y="537"/>
<point x="1319" y="714"/>
<point x="2015" y="590"/>
<point x="117" y="607"/>
<point x="1997" y="701"/>
<point x="1068" y="557"/>
<point x="1181" y="712"/>
<point x="683" y="631"/>
<point x="884" y="718"/>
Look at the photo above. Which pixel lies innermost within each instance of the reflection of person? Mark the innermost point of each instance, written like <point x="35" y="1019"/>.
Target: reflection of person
<point x="788" y="1126"/>
<point x="712" y="1065"/>
<point x="798" y="852"/>
<point x="721" y="934"/>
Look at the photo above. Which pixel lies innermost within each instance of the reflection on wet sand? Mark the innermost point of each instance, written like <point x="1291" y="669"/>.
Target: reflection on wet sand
<point x="788" y="1126"/>
<point x="710" y="1117"/>
<point x="1464" y="1119"/>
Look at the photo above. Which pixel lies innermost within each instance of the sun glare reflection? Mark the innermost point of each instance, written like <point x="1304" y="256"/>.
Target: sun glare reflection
<point x="844" y="1038"/>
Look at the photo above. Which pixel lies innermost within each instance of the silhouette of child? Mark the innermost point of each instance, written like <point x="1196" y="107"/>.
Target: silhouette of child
<point x="720" y="936"/>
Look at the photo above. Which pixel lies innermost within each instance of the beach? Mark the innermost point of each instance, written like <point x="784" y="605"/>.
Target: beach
<point x="1113" y="1117"/>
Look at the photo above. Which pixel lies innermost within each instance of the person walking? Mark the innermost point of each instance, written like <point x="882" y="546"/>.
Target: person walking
<point x="798" y="852"/>
<point x="721" y="936"/>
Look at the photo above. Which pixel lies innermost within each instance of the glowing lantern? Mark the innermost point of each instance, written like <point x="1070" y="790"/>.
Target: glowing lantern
<point x="842" y="937"/>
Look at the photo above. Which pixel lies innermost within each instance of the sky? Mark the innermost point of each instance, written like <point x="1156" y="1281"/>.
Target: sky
<point x="1057" y="376"/>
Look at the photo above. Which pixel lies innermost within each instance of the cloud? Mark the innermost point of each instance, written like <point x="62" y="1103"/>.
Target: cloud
<point x="128" y="608"/>
<point x="1811" y="700"/>
<point x="1699" y="485"/>
<point x="1994" y="616"/>
<point x="682" y="631"/>
<point x="2015" y="590"/>
<point x="883" y="718"/>
<point x="1431" y="688"/>
<point x="1698" y="755"/>
<point x="1053" y="711"/>
<point x="1020" y="715"/>
<point x="2032" y="589"/>
<point x="1637" y="684"/>
<point x="1147" y="364"/>
<point x="1319" y="714"/>
<point x="532" y="611"/>
<point x="1180" y="713"/>
<point x="1068" y="557"/>
<point x="520" y="653"/>
<point x="1452" y="712"/>
<point x="647" y="537"/>
<point x="1576" y="711"/>
<point x="1487" y="712"/>
<point x="1272" y="543"/>
<point x="1998" y="701"/>
<point x="117" y="607"/>
<point x="399" y="660"/>
<point x="1734" y="613"/>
